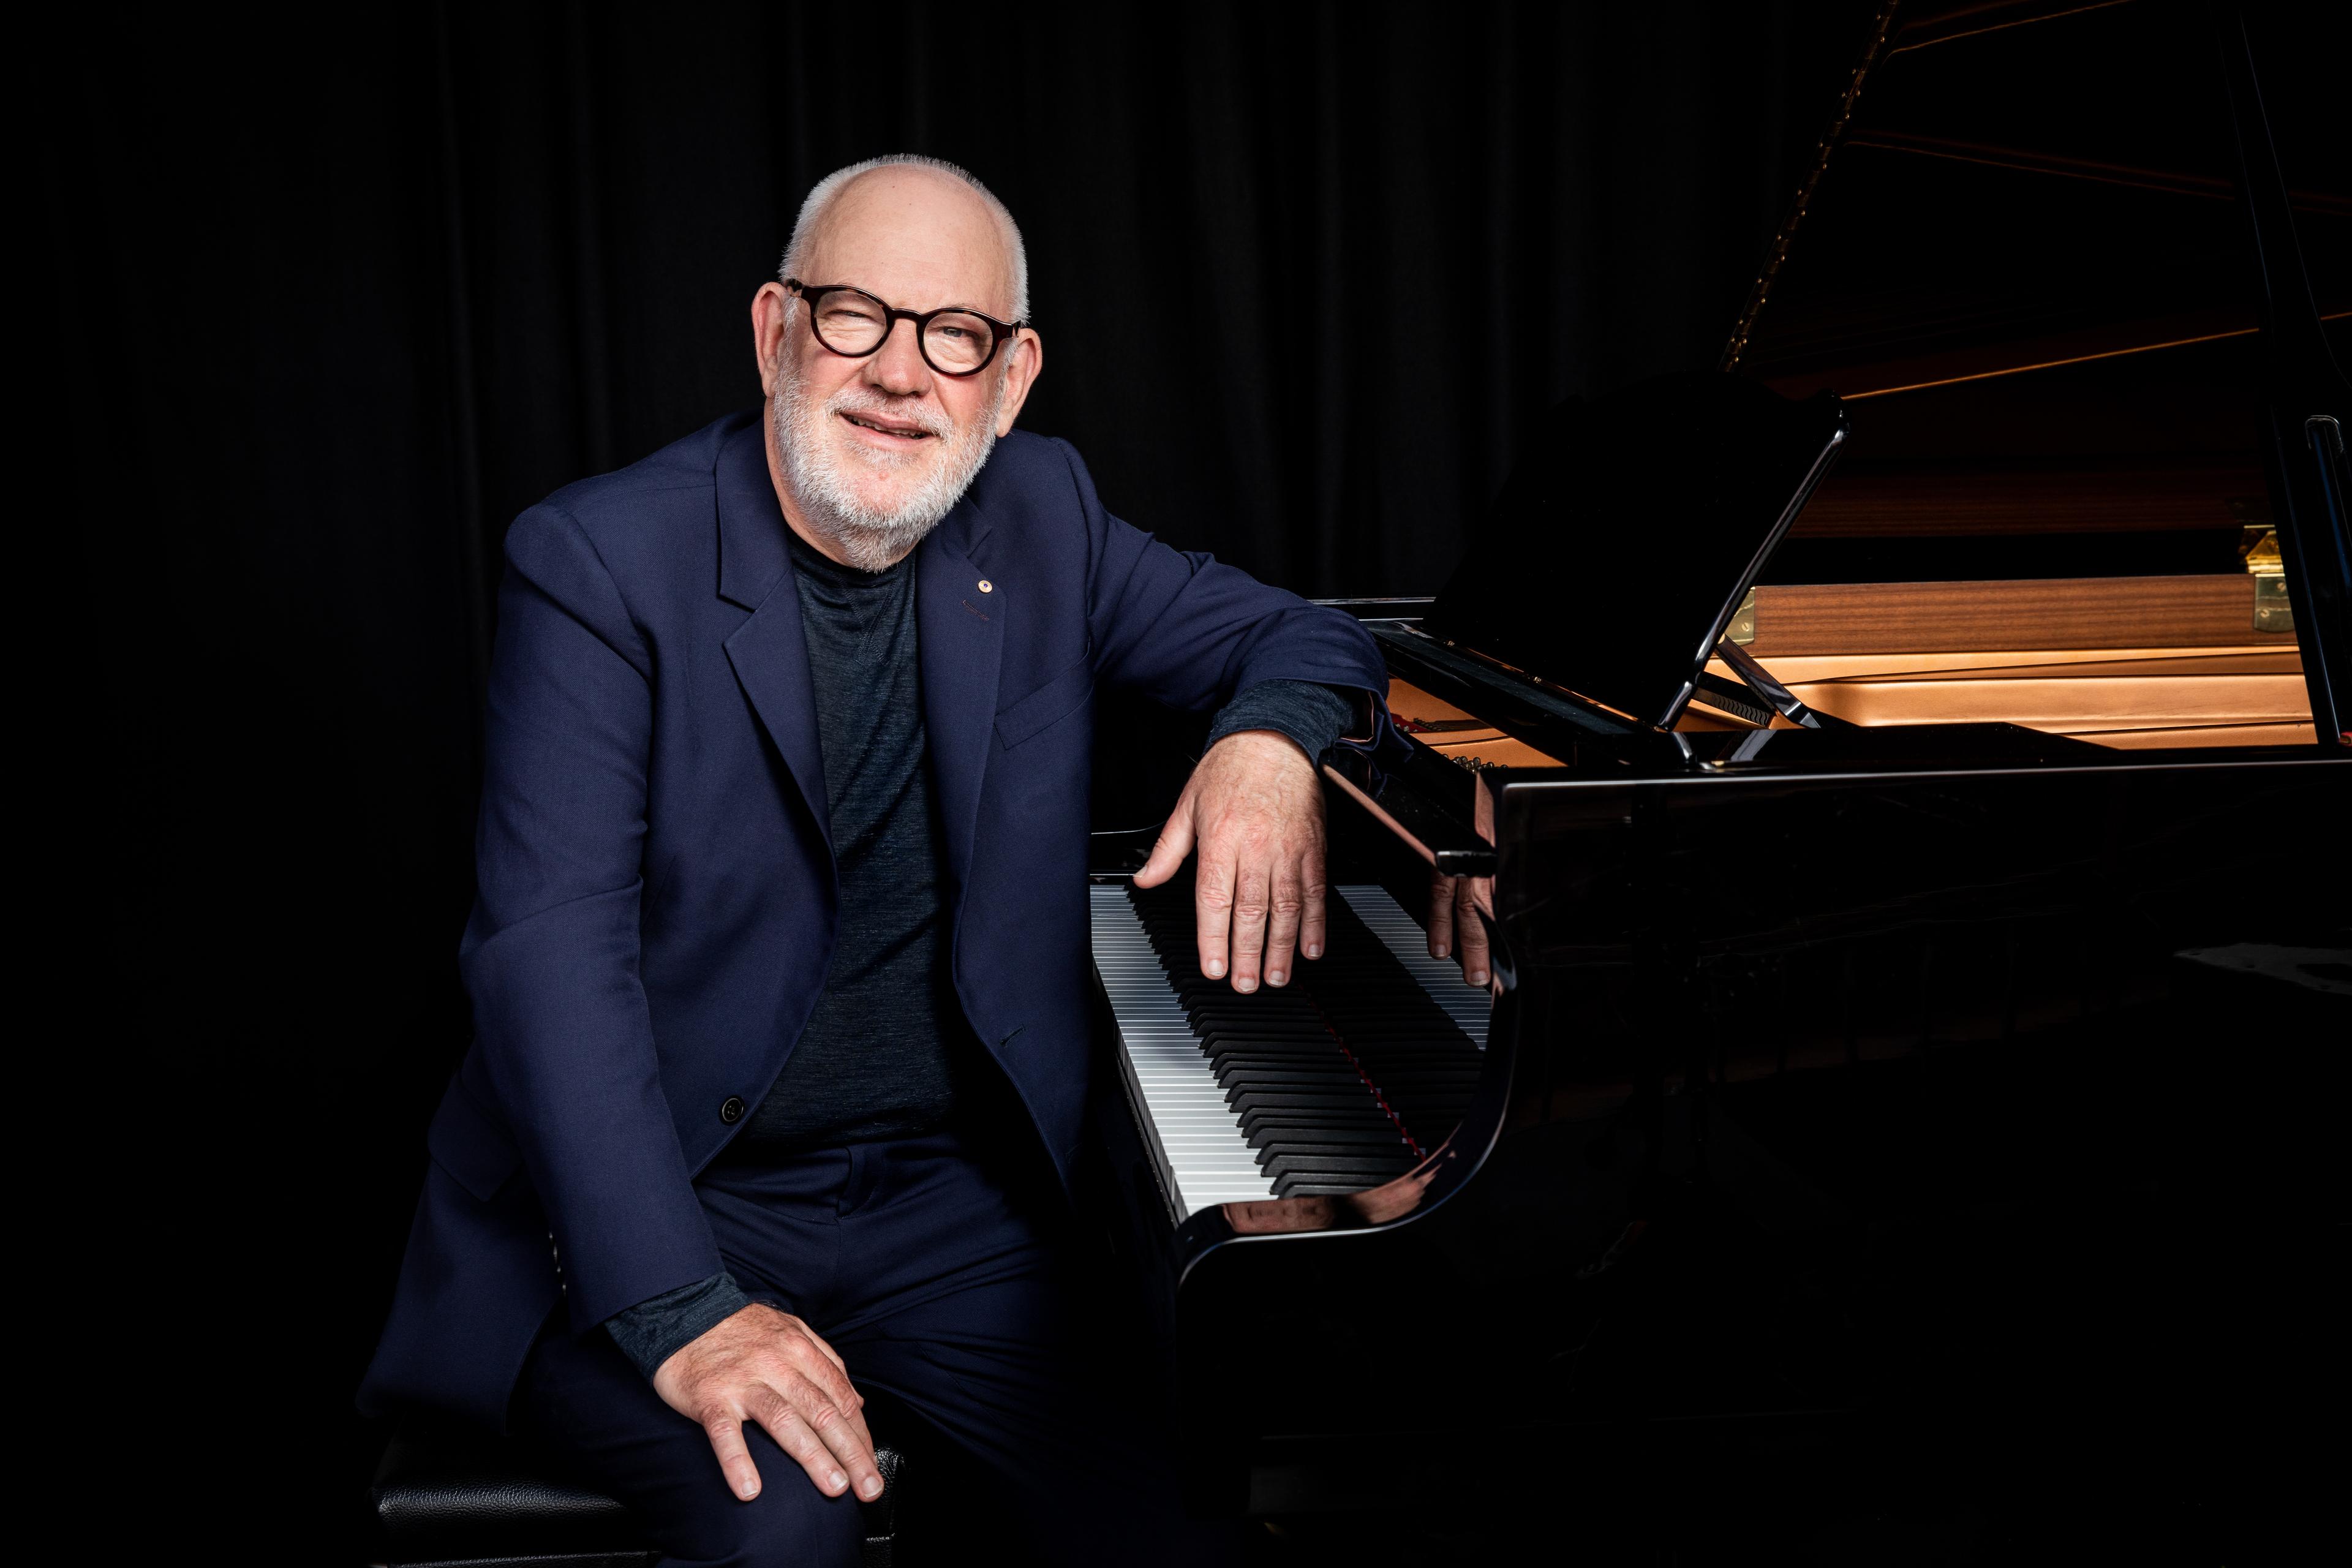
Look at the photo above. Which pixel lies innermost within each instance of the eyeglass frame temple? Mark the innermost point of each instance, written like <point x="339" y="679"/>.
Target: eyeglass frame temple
<point x="1005" y="330"/>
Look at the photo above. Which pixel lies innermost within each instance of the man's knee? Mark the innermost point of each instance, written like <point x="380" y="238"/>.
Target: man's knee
<point x="789" y="1523"/>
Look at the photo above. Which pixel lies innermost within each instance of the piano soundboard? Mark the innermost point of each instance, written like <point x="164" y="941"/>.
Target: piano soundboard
<point x="1344" y="1080"/>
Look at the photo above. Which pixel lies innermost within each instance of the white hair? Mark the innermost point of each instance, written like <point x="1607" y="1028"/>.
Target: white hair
<point x="820" y="196"/>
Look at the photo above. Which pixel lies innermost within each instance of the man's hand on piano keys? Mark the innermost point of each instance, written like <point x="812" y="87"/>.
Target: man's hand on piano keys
<point x="1255" y="808"/>
<point x="1454" y="922"/>
<point x="766" y="1366"/>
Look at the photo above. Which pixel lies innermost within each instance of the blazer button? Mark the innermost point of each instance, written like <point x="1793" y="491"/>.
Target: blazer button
<point x="732" y="1111"/>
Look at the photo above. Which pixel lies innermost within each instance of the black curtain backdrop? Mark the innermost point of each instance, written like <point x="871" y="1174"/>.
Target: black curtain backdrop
<point x="333" y="296"/>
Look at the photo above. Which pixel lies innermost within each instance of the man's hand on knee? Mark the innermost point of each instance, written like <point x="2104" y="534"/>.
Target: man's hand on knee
<point x="766" y="1366"/>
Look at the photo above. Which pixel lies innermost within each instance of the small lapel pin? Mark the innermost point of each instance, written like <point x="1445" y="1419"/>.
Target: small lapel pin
<point x="986" y="586"/>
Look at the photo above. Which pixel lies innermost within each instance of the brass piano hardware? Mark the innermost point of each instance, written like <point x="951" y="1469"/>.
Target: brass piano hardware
<point x="2273" y="612"/>
<point x="1743" y="620"/>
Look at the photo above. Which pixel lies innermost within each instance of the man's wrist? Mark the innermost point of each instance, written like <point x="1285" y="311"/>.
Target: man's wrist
<point x="653" y="1331"/>
<point x="1311" y="716"/>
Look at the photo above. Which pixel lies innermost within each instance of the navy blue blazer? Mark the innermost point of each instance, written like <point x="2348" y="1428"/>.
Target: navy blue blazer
<point x="656" y="905"/>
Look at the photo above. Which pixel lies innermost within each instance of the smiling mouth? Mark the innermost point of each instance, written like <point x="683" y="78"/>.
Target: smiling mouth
<point x="903" y="432"/>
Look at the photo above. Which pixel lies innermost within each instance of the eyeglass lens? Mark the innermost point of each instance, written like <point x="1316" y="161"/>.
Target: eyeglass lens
<point x="849" y="322"/>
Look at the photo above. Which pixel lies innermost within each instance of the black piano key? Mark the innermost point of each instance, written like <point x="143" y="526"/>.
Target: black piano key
<point x="1370" y="1117"/>
<point x="1248" y="1100"/>
<point x="1365" y="1113"/>
<point x="1287" y="1139"/>
<point x="1304" y="1076"/>
<point x="1321" y="1167"/>
<point x="1299" y="1157"/>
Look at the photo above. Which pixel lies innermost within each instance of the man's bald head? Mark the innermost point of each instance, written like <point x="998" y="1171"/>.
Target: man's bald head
<point x="869" y="448"/>
<point x="908" y="188"/>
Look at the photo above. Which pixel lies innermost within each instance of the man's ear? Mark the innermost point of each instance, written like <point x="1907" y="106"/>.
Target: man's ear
<point x="770" y="308"/>
<point x="1024" y="357"/>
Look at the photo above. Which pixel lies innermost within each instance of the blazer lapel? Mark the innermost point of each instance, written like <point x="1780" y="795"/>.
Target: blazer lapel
<point x="961" y="628"/>
<point x="768" y="651"/>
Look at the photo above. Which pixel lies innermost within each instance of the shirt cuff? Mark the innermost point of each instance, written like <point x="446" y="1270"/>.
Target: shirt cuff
<point x="653" y="1331"/>
<point x="1313" y="715"/>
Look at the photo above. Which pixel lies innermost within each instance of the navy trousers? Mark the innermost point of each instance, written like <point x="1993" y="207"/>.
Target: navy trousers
<point x="945" y="1275"/>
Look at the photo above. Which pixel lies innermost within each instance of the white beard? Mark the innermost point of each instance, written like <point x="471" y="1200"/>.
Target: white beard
<point x="817" y="469"/>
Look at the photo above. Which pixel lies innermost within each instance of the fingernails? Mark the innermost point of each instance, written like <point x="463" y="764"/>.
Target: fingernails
<point x="1478" y="977"/>
<point x="1275" y="977"/>
<point x="1215" y="968"/>
<point x="873" y="1488"/>
<point x="1314" y="950"/>
<point x="1437" y="951"/>
<point x="749" y="1491"/>
<point x="835" y="1481"/>
<point x="1245" y="984"/>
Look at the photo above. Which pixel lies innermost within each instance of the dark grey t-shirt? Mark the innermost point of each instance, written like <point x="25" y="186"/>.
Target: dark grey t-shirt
<point x="883" y="1051"/>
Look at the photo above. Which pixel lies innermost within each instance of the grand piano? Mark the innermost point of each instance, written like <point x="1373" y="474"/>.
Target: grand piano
<point x="1901" y="775"/>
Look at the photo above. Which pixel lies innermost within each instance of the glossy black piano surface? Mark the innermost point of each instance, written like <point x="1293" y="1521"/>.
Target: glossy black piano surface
<point x="1937" y="1077"/>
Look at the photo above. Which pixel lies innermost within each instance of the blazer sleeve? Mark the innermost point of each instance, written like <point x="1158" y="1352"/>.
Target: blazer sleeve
<point x="1191" y="632"/>
<point x="562" y="1032"/>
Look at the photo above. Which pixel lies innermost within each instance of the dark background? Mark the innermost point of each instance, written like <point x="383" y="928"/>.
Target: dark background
<point x="330" y="298"/>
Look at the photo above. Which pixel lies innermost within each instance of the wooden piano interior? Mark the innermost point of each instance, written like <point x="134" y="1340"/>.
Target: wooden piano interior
<point x="2091" y="551"/>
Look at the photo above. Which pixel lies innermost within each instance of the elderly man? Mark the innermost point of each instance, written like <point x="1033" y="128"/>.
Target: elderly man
<point x="778" y="963"/>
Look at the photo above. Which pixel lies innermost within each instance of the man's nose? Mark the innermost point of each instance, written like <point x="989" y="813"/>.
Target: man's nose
<point x="897" y="367"/>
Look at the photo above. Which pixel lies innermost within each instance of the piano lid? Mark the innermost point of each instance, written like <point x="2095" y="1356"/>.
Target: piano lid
<point x="2013" y="186"/>
<point x="1629" y="533"/>
<point x="2085" y="320"/>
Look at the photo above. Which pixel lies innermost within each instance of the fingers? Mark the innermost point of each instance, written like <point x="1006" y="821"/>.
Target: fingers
<point x="1310" y="900"/>
<point x="1453" y="922"/>
<point x="1175" y="842"/>
<point x="1212" y="910"/>
<point x="1473" y="932"/>
<point x="800" y="1444"/>
<point x="1253" y="898"/>
<point x="1282" y="922"/>
<point x="734" y="1459"/>
<point x="827" y="1442"/>
<point x="1441" y="913"/>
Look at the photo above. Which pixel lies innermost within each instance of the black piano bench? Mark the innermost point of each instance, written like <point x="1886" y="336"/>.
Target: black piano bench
<point x="445" y="1501"/>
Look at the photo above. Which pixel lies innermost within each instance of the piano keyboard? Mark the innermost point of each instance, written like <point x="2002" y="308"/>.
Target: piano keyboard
<point x="1344" y="1080"/>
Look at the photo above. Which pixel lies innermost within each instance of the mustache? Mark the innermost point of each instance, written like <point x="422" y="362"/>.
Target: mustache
<point x="863" y="400"/>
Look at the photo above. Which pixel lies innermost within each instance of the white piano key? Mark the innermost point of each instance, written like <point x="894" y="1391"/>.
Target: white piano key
<point x="1194" y="1137"/>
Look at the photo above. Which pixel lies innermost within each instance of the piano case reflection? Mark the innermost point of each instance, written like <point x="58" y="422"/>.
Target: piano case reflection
<point x="1920" y="694"/>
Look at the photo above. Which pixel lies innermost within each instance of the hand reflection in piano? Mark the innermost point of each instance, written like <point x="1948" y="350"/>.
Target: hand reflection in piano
<point x="1255" y="807"/>
<point x="1346" y="1211"/>
<point x="1455" y="903"/>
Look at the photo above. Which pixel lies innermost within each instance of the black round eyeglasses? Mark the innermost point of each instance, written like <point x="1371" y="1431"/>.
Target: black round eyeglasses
<point x="851" y="322"/>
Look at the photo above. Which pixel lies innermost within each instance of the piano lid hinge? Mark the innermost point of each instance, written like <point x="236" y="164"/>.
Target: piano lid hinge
<point x="1743" y="620"/>
<point x="2274" y="611"/>
<point x="1760" y="681"/>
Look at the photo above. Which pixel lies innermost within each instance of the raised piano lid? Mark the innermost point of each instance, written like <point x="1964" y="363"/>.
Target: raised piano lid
<point x="2083" y="285"/>
<point x="1628" y="533"/>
